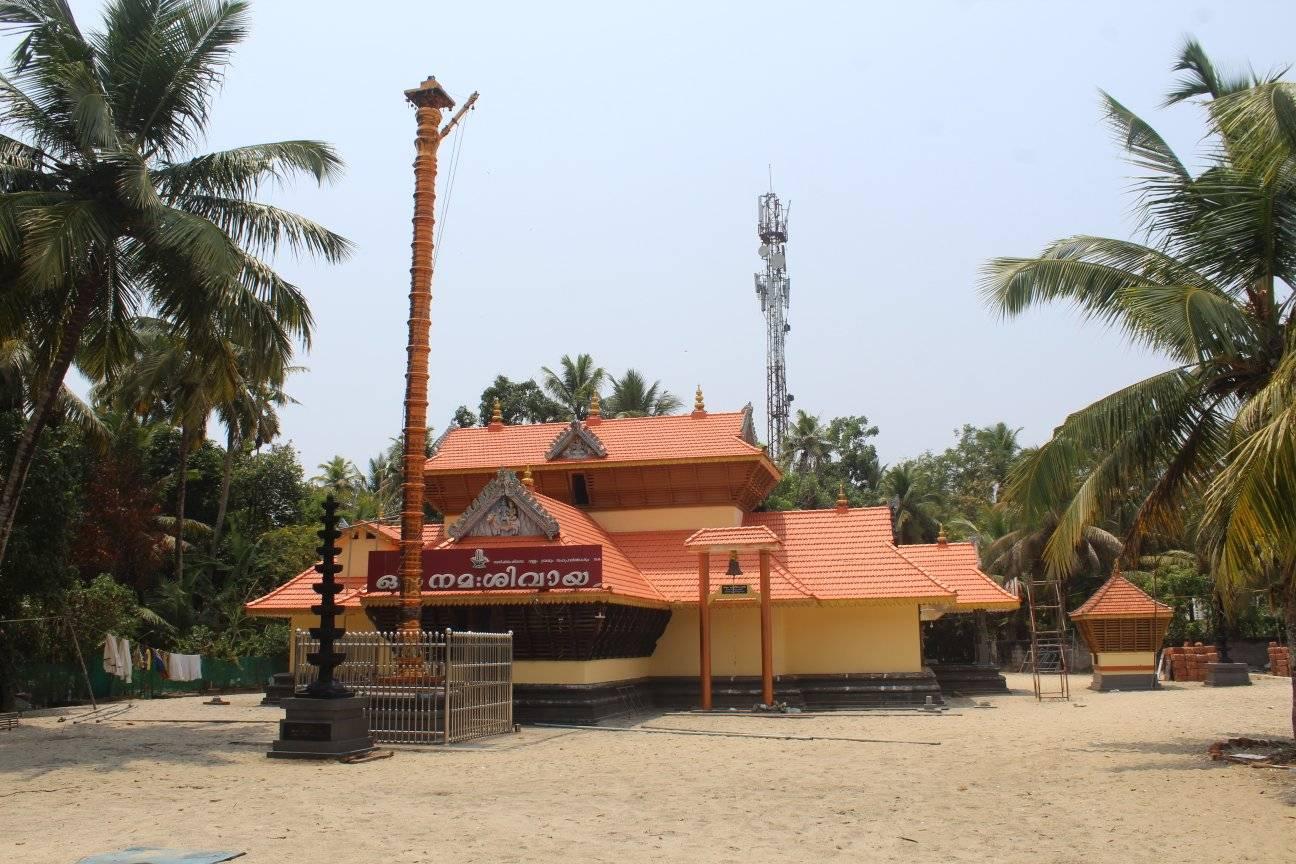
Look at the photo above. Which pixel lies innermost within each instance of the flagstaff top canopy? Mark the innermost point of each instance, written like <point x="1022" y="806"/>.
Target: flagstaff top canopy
<point x="430" y="94"/>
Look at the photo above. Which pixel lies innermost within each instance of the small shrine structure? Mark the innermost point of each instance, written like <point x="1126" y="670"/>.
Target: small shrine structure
<point x="1124" y="629"/>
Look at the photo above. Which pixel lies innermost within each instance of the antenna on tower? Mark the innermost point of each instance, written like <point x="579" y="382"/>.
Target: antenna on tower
<point x="774" y="289"/>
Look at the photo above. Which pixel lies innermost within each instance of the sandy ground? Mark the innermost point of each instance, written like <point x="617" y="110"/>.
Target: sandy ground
<point x="1119" y="777"/>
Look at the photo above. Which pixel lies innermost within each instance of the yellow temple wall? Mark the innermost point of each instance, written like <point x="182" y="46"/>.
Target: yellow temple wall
<point x="580" y="671"/>
<point x="808" y="640"/>
<point x="1107" y="659"/>
<point x="833" y="639"/>
<point x="355" y="547"/>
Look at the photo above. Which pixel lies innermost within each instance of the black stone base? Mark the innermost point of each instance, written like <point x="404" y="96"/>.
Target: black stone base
<point x="1227" y="675"/>
<point x="279" y="688"/>
<point x="591" y="704"/>
<point x="1103" y="681"/>
<point x="321" y="729"/>
<point x="969" y="679"/>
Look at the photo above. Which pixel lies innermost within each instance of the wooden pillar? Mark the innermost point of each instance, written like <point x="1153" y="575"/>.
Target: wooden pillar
<point x="704" y="627"/>
<point x="767" y="631"/>
<point x="429" y="100"/>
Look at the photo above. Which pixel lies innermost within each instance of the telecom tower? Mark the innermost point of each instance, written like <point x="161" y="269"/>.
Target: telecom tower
<point x="773" y="289"/>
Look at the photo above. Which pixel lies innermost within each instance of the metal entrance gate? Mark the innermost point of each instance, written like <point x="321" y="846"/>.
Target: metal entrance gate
<point x="462" y="687"/>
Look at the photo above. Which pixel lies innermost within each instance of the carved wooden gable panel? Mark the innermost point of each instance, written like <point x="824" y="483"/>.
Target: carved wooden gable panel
<point x="577" y="441"/>
<point x="505" y="508"/>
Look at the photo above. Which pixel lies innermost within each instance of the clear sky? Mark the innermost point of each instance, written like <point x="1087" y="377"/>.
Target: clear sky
<point x="605" y="196"/>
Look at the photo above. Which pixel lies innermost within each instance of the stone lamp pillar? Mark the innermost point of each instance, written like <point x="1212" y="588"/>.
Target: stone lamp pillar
<point x="324" y="720"/>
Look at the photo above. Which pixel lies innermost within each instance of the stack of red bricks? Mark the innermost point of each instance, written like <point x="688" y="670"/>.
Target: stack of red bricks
<point x="1279" y="660"/>
<point x="1188" y="663"/>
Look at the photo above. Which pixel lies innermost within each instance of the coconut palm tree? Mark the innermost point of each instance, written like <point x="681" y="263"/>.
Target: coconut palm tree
<point x="340" y="476"/>
<point x="1211" y="288"/>
<point x="250" y="416"/>
<point x="179" y="381"/>
<point x="806" y="446"/>
<point x="104" y="209"/>
<point x="576" y="385"/>
<point x="913" y="503"/>
<point x="632" y="397"/>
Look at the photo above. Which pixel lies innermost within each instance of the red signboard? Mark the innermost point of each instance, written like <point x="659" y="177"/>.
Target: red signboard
<point x="527" y="568"/>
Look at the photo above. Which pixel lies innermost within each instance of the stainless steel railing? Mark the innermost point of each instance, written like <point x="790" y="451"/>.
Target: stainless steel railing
<point x="437" y="687"/>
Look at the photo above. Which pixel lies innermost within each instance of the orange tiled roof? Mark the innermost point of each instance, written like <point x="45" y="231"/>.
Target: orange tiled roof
<point x="826" y="555"/>
<point x="847" y="555"/>
<point x="958" y="566"/>
<point x="1120" y="598"/>
<point x="433" y="532"/>
<point x="296" y="593"/>
<point x="675" y="438"/>
<point x="745" y="535"/>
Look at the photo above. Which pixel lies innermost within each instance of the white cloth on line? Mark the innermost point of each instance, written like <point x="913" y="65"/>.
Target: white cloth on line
<point x="117" y="657"/>
<point x="184" y="667"/>
<point x="124" y="660"/>
<point x="110" y="654"/>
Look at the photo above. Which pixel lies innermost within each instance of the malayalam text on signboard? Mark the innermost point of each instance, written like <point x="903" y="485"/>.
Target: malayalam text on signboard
<point x="533" y="568"/>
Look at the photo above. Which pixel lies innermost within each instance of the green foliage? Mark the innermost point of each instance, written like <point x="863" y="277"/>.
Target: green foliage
<point x="203" y="469"/>
<point x="822" y="461"/>
<point x="574" y="385"/>
<point x="104" y="606"/>
<point x="520" y="402"/>
<point x="270" y="488"/>
<point x="633" y="396"/>
<point x="283" y="553"/>
<point x="44" y="526"/>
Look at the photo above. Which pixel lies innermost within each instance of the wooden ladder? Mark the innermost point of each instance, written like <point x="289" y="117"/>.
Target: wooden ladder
<point x="1048" y="657"/>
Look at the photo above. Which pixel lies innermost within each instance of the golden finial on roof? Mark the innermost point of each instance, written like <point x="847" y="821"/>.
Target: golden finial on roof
<point x="842" y="503"/>
<point x="699" y="405"/>
<point x="595" y="408"/>
<point x="497" y="412"/>
<point x="527" y="480"/>
<point x="941" y="539"/>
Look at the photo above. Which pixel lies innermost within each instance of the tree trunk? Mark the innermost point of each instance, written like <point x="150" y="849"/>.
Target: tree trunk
<point x="224" y="492"/>
<point x="43" y="409"/>
<point x="180" y="503"/>
<point x="983" y="653"/>
<point x="1289" y="615"/>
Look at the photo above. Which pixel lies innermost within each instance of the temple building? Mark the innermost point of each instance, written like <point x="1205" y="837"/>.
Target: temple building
<point x="629" y="555"/>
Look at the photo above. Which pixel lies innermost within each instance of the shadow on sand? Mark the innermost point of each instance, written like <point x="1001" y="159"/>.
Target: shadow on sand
<point x="34" y="750"/>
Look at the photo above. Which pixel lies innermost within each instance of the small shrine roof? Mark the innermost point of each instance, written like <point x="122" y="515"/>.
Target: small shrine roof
<point x="741" y="537"/>
<point x="1120" y="598"/>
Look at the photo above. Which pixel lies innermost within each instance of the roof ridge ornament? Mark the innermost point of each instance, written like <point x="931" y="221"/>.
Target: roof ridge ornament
<point x="699" y="404"/>
<point x="497" y="415"/>
<point x="577" y="441"/>
<point x="505" y="508"/>
<point x="748" y="431"/>
<point x="843" y="504"/>
<point x="595" y="410"/>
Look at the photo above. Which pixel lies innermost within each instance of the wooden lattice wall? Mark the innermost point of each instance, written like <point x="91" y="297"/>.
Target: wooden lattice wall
<point x="1123" y="634"/>
<point x="549" y="631"/>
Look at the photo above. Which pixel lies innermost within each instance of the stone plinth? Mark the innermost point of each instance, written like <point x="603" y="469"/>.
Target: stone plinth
<point x="1227" y="675"/>
<point x="321" y="729"/>
<point x="279" y="688"/>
